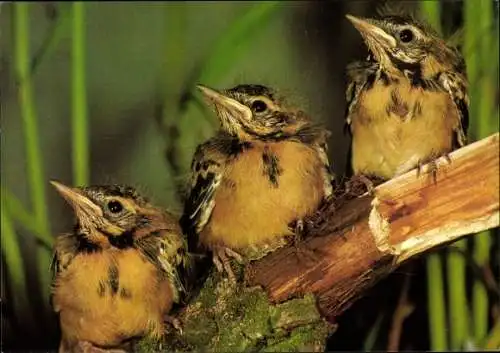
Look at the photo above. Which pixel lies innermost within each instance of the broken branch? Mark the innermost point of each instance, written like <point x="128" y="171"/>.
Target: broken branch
<point x="370" y="236"/>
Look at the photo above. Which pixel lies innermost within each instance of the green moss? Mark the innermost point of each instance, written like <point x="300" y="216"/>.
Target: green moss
<point x="295" y="312"/>
<point x="230" y="317"/>
<point x="308" y="338"/>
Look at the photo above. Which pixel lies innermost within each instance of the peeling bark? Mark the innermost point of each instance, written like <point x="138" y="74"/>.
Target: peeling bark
<point x="360" y="241"/>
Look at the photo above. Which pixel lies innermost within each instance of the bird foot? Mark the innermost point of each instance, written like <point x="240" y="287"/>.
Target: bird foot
<point x="432" y="167"/>
<point x="87" y="347"/>
<point x="222" y="262"/>
<point x="357" y="182"/>
<point x="302" y="250"/>
<point x="175" y="322"/>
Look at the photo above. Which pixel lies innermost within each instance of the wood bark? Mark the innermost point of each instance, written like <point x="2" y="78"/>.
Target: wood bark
<point x="354" y="243"/>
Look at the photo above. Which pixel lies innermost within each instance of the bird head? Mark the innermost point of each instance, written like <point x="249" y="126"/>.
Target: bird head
<point x="253" y="112"/>
<point x="401" y="43"/>
<point x="111" y="214"/>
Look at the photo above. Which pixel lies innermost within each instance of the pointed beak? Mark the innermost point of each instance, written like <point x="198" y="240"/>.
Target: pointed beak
<point x="227" y="108"/>
<point x="374" y="36"/>
<point x="84" y="208"/>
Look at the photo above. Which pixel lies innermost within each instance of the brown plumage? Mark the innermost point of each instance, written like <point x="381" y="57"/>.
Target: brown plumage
<point x="118" y="273"/>
<point x="265" y="168"/>
<point x="407" y="102"/>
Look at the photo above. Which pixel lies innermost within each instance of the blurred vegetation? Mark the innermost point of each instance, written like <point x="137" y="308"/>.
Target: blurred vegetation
<point x="101" y="92"/>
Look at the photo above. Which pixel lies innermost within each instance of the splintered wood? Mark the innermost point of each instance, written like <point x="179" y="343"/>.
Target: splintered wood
<point x="349" y="248"/>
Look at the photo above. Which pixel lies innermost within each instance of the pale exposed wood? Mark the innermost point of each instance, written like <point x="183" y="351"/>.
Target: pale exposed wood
<point x="368" y="237"/>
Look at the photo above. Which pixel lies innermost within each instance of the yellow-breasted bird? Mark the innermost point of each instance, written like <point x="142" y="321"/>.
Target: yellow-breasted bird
<point x="118" y="273"/>
<point x="265" y="168"/>
<point x="407" y="102"/>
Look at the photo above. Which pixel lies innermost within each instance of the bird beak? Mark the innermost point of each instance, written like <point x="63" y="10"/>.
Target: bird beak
<point x="374" y="36"/>
<point x="84" y="208"/>
<point x="226" y="107"/>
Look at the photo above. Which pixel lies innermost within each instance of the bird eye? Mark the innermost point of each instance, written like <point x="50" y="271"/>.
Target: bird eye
<point x="406" y="35"/>
<point x="115" y="206"/>
<point x="259" y="106"/>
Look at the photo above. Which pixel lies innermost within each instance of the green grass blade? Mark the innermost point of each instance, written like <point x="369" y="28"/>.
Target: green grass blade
<point x="371" y="337"/>
<point x="493" y="341"/>
<point x="435" y="286"/>
<point x="482" y="245"/>
<point x="11" y="251"/>
<point x="80" y="150"/>
<point x="458" y="308"/>
<point x="57" y="31"/>
<point x="235" y="41"/>
<point x="32" y="146"/>
<point x="28" y="113"/>
<point x="436" y="304"/>
<point x="485" y="123"/>
<point x="432" y="13"/>
<point x="471" y="17"/>
<point x="20" y="214"/>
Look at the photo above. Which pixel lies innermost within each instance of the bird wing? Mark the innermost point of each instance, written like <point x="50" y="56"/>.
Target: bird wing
<point x="358" y="76"/>
<point x="321" y="148"/>
<point x="316" y="136"/>
<point x="205" y="178"/>
<point x="64" y="253"/>
<point x="454" y="84"/>
<point x="166" y="248"/>
<point x="174" y="261"/>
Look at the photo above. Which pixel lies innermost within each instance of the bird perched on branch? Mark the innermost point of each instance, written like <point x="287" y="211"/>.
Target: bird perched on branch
<point x="266" y="168"/>
<point x="118" y="273"/>
<point x="407" y="102"/>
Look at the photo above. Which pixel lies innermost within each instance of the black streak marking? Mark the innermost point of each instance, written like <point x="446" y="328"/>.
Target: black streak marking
<point x="236" y="147"/>
<point x="253" y="90"/>
<point x="384" y="78"/>
<point x="271" y="166"/>
<point x="101" y="289"/>
<point x="86" y="246"/>
<point x="113" y="279"/>
<point x="417" y="109"/>
<point x="125" y="293"/>
<point x="397" y="106"/>
<point x="83" y="244"/>
<point x="122" y="241"/>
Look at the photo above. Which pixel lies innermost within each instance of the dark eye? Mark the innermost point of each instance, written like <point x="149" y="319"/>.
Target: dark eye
<point x="259" y="106"/>
<point x="115" y="206"/>
<point x="406" y="35"/>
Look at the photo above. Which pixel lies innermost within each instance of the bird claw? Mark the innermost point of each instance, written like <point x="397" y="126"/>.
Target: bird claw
<point x="304" y="250"/>
<point x="222" y="263"/>
<point x="352" y="186"/>
<point x="432" y="167"/>
<point x="175" y="322"/>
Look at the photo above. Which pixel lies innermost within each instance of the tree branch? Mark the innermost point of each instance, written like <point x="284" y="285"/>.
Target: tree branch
<point x="355" y="241"/>
<point x="370" y="236"/>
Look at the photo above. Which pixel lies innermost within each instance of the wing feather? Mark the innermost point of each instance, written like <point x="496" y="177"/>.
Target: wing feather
<point x="206" y="178"/>
<point x="454" y="84"/>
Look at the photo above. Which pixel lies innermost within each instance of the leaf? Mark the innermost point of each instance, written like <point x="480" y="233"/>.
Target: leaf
<point x="235" y="41"/>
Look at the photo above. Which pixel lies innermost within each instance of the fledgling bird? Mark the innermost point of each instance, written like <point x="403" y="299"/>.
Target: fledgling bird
<point x="118" y="273"/>
<point x="407" y="102"/>
<point x="266" y="168"/>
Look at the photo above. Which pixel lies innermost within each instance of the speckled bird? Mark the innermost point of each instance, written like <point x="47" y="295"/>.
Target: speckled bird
<point x="407" y="102"/>
<point x="118" y="273"/>
<point x="264" y="170"/>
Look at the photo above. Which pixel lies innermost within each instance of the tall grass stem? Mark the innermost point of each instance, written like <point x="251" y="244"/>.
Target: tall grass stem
<point x="31" y="134"/>
<point x="435" y="286"/>
<point x="80" y="149"/>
